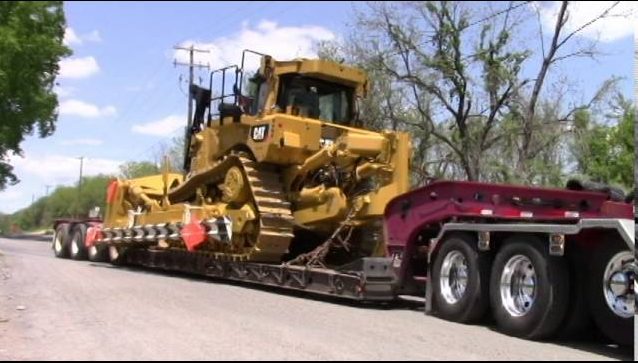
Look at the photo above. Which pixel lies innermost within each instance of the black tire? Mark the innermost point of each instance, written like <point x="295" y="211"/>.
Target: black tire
<point x="578" y="323"/>
<point x="116" y="255"/>
<point x="474" y="301"/>
<point x="60" y="242"/>
<point x="97" y="253"/>
<point x="615" y="327"/>
<point x="550" y="294"/>
<point x="77" y="248"/>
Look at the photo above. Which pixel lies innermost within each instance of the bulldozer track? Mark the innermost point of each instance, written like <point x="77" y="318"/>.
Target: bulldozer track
<point x="275" y="216"/>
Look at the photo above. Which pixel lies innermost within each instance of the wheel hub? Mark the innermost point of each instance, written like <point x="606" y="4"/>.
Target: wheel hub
<point x="74" y="246"/>
<point x="518" y="285"/>
<point x="57" y="244"/>
<point x="113" y="253"/>
<point x="617" y="286"/>
<point x="454" y="276"/>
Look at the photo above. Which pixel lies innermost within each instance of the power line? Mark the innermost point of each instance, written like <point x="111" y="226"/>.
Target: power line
<point x="220" y="25"/>
<point x="79" y="199"/>
<point x="236" y="11"/>
<point x="491" y="16"/>
<point x="191" y="67"/>
<point x="499" y="13"/>
<point x="134" y="99"/>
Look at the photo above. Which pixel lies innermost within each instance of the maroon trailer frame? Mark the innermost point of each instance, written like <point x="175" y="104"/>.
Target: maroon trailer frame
<point x="576" y="224"/>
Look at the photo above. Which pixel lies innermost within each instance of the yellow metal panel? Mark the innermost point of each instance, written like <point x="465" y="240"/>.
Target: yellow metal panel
<point x="334" y="208"/>
<point x="398" y="182"/>
<point x="363" y="145"/>
<point x="292" y="139"/>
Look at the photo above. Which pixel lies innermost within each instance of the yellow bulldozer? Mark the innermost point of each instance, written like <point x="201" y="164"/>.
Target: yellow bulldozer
<point x="284" y="173"/>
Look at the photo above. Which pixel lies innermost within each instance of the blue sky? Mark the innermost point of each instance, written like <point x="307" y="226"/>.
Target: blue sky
<point x="121" y="97"/>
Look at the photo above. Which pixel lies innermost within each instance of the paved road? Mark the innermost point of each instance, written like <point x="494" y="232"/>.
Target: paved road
<point x="81" y="310"/>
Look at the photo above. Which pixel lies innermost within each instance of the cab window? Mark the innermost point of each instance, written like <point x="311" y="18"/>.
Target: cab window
<point x="315" y="98"/>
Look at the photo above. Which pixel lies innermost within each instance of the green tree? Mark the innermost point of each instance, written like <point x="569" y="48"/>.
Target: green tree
<point x="174" y="150"/>
<point x="605" y="153"/>
<point x="5" y="224"/>
<point x="31" y="35"/>
<point x="138" y="169"/>
<point x="66" y="201"/>
<point x="93" y="193"/>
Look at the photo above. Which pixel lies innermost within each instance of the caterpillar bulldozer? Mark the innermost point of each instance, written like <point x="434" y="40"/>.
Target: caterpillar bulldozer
<point x="284" y="173"/>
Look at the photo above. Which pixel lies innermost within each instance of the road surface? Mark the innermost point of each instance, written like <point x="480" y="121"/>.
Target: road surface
<point x="66" y="310"/>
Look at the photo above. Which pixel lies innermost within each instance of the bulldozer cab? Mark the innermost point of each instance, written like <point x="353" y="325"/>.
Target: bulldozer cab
<point x="315" y="98"/>
<point x="308" y="89"/>
<point x="316" y="89"/>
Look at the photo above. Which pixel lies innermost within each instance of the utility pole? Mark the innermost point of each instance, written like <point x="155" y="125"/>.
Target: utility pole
<point x="189" y="118"/>
<point x="79" y="186"/>
<point x="45" y="215"/>
<point x="191" y="66"/>
<point x="80" y="181"/>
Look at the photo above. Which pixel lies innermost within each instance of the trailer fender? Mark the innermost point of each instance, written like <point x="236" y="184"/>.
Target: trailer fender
<point x="624" y="227"/>
<point x="93" y="233"/>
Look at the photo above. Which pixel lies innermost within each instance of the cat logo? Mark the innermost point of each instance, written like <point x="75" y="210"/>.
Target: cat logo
<point x="259" y="133"/>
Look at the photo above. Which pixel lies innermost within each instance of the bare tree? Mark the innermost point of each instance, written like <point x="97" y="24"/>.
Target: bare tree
<point x="459" y="90"/>
<point x="555" y="53"/>
<point x="450" y="74"/>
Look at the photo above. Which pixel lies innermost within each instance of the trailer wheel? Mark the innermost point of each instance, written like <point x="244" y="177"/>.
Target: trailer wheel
<point x="97" y="253"/>
<point x="60" y="241"/>
<point x="578" y="322"/>
<point x="460" y="280"/>
<point x="116" y="255"/>
<point x="611" y="293"/>
<point x="77" y="246"/>
<point x="529" y="290"/>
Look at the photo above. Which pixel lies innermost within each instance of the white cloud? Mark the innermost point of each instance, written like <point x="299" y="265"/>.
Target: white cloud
<point x="61" y="169"/>
<point x="12" y="199"/>
<point x="10" y="195"/>
<point x="85" y="110"/>
<point x="89" y="142"/>
<point x="163" y="127"/>
<point x="38" y="170"/>
<point x="93" y="36"/>
<point x="281" y="42"/>
<point x="78" y="67"/>
<point x="619" y="23"/>
<point x="72" y="38"/>
<point x="63" y="92"/>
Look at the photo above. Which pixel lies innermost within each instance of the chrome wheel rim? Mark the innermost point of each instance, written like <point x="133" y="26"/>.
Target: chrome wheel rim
<point x="454" y="276"/>
<point x="57" y="243"/>
<point x="518" y="286"/>
<point x="113" y="253"/>
<point x="619" y="295"/>
<point x="75" y="249"/>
